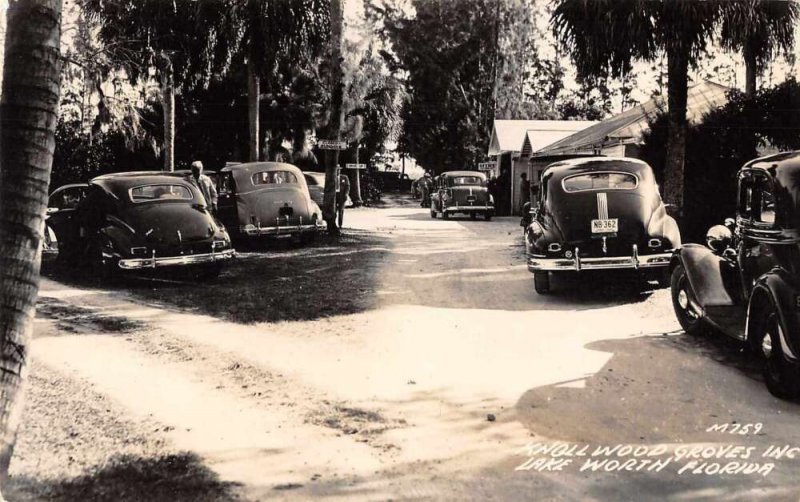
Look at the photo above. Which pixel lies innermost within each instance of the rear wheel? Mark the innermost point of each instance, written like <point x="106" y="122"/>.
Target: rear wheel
<point x="433" y="214"/>
<point x="541" y="282"/>
<point x="473" y="216"/>
<point x="682" y="299"/>
<point x="780" y="375"/>
<point x="445" y="215"/>
<point x="101" y="268"/>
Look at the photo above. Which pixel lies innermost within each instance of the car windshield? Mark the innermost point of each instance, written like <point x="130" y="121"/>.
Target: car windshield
<point x="274" y="178"/>
<point x="149" y="193"/>
<point x="600" y="181"/>
<point x="465" y="180"/>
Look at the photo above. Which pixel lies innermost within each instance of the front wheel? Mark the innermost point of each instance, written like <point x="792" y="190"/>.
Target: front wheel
<point x="682" y="298"/>
<point x="541" y="282"/>
<point x="780" y="375"/>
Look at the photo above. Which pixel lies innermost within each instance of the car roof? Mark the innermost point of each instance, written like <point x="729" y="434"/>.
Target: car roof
<point x="253" y="167"/>
<point x="563" y="168"/>
<point x="119" y="183"/>
<point x="463" y="173"/>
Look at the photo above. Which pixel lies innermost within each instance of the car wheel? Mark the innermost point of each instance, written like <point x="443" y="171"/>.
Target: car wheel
<point x="780" y="375"/>
<point x="100" y="267"/>
<point x="445" y="215"/>
<point x="473" y="216"/>
<point x="433" y="214"/>
<point x="663" y="278"/>
<point x="541" y="282"/>
<point x="682" y="296"/>
<point x="487" y="216"/>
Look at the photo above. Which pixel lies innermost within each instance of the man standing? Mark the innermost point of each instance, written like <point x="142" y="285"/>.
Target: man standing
<point x="205" y="185"/>
<point x="524" y="190"/>
<point x="342" y="192"/>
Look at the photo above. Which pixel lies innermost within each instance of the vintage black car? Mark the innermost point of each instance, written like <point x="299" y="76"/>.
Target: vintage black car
<point x="599" y="213"/>
<point x="746" y="281"/>
<point x="142" y="220"/>
<point x="267" y="198"/>
<point x="463" y="192"/>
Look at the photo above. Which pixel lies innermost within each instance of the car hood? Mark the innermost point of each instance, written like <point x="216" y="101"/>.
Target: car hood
<point x="170" y="222"/>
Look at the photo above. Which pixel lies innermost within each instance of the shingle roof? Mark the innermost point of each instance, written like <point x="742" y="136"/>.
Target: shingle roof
<point x="630" y="125"/>
<point x="508" y="135"/>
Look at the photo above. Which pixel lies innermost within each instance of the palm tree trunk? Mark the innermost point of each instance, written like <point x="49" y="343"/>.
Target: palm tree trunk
<point x="337" y="116"/>
<point x="253" y="112"/>
<point x="677" y="90"/>
<point x="168" y="104"/>
<point x="751" y="70"/>
<point x="28" y="116"/>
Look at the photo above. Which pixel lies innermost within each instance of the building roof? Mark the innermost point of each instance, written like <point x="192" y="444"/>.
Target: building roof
<point x="630" y="125"/>
<point x="508" y="135"/>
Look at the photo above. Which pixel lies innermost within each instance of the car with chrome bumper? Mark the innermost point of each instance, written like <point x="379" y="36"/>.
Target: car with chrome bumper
<point x="745" y="281"/>
<point x="599" y="213"/>
<point x="134" y="221"/>
<point x="267" y="199"/>
<point x="464" y="192"/>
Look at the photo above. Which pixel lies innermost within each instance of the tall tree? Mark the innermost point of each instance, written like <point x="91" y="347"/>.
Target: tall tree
<point x="181" y="44"/>
<point x="28" y="116"/>
<point x="760" y="29"/>
<point x="605" y="37"/>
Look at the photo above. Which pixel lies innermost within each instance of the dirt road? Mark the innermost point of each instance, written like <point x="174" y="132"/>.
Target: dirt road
<point x="438" y="374"/>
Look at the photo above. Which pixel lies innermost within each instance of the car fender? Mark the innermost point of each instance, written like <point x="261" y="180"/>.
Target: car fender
<point x="704" y="272"/>
<point x="774" y="290"/>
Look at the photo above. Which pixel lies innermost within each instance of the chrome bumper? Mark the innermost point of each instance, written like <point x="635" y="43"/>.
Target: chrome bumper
<point x="538" y="263"/>
<point x="281" y="229"/>
<point x="170" y="261"/>
<point x="462" y="209"/>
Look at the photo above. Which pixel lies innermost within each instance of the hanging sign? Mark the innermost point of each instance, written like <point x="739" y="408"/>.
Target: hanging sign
<point x="356" y="166"/>
<point x="486" y="166"/>
<point x="330" y="144"/>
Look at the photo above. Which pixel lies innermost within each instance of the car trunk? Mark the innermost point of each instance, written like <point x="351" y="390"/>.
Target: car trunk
<point x="275" y="206"/>
<point x="469" y="196"/>
<point x="171" y="228"/>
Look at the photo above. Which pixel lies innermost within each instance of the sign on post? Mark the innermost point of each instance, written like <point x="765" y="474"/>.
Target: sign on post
<point x="330" y="144"/>
<point x="486" y="166"/>
<point x="356" y="166"/>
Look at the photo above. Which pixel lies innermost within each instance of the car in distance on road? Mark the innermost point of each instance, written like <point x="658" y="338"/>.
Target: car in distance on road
<point x="463" y="192"/>
<point x="599" y="213"/>
<point x="267" y="198"/>
<point x="745" y="281"/>
<point x="141" y="220"/>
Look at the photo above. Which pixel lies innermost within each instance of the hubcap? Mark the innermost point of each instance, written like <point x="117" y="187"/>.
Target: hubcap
<point x="683" y="299"/>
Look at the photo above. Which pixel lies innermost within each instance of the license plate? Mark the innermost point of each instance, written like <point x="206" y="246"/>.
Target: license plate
<point x="471" y="198"/>
<point x="605" y="226"/>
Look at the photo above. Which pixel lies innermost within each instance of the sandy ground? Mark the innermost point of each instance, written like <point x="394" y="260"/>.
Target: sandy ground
<point x="441" y="368"/>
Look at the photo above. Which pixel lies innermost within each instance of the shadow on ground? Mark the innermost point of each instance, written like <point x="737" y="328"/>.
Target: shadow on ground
<point x="332" y="276"/>
<point x="173" y="478"/>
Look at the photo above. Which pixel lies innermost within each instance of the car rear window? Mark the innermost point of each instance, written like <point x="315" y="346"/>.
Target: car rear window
<point x="274" y="178"/>
<point x="147" y="193"/>
<point x="312" y="180"/>
<point x="465" y="180"/>
<point x="600" y="181"/>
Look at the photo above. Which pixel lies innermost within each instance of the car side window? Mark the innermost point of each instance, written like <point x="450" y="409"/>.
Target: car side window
<point x="756" y="200"/>
<point x="226" y="183"/>
<point x="66" y="199"/>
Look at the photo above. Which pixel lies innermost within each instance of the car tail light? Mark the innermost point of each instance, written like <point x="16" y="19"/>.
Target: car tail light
<point x="554" y="247"/>
<point x="654" y="243"/>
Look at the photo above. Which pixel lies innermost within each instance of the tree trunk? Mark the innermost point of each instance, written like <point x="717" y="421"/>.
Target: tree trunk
<point x="751" y="70"/>
<point x="28" y="116"/>
<point x="253" y="112"/>
<point x="337" y="116"/>
<point x="677" y="90"/>
<point x="356" y="184"/>
<point x="168" y="104"/>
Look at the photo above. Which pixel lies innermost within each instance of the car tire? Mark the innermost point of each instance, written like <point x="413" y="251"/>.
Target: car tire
<point x="433" y="214"/>
<point x="473" y="216"/>
<point x="487" y="216"/>
<point x="445" y="215"/>
<point x="100" y="269"/>
<point x="663" y="278"/>
<point x="682" y="294"/>
<point x="780" y="376"/>
<point x="541" y="282"/>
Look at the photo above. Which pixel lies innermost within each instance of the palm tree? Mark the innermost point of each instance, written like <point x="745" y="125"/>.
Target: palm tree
<point x="337" y="114"/>
<point x="606" y="36"/>
<point x="28" y="116"/>
<point x="760" y="29"/>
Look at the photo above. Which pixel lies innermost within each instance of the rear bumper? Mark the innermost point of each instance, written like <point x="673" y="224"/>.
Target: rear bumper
<point x="171" y="261"/>
<point x="538" y="263"/>
<point x="253" y="230"/>
<point x="467" y="209"/>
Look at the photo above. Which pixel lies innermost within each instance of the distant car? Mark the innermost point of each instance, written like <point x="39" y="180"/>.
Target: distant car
<point x="131" y="221"/>
<point x="462" y="192"/>
<point x="61" y="213"/>
<point x="599" y="213"/>
<point x="267" y="198"/>
<point x="746" y="280"/>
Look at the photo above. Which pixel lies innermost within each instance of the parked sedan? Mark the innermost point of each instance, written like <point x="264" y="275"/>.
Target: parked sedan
<point x="267" y="198"/>
<point x="599" y="213"/>
<point x="746" y="280"/>
<point x="130" y="221"/>
<point x="463" y="192"/>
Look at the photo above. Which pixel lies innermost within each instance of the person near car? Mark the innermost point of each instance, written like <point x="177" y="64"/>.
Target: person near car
<point x="425" y="187"/>
<point x="524" y="191"/>
<point x="341" y="195"/>
<point x="205" y="185"/>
